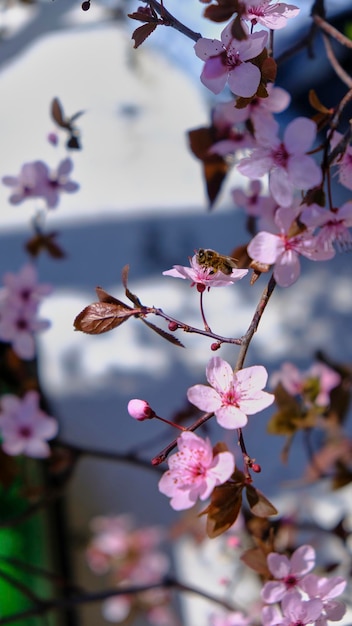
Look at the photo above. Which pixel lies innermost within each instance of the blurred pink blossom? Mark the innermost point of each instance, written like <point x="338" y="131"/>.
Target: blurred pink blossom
<point x="296" y="382"/>
<point x="200" y="275"/>
<point x="231" y="396"/>
<point x="19" y="302"/>
<point x="288" y="572"/>
<point x="295" y="612"/>
<point x="228" y="60"/>
<point x="24" y="427"/>
<point x="36" y="180"/>
<point x="286" y="161"/>
<point x="326" y="589"/>
<point x="343" y="161"/>
<point x="194" y="471"/>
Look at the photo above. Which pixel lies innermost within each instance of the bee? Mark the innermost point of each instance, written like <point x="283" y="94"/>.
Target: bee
<point x="217" y="262"/>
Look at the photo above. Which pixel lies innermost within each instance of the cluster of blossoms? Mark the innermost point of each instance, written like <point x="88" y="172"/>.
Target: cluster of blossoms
<point x="296" y="596"/>
<point x="36" y="180"/>
<point x="19" y="301"/>
<point x="314" y="385"/>
<point x="195" y="470"/>
<point x="131" y="557"/>
<point x="24" y="427"/>
<point x="288" y="229"/>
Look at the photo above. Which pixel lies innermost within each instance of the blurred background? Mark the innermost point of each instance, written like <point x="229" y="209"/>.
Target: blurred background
<point x="142" y="202"/>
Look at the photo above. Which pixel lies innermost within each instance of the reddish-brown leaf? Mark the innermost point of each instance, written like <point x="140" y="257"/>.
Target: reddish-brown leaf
<point x="165" y="335"/>
<point x="131" y="296"/>
<point x="44" y="243"/>
<point x="256" y="559"/>
<point x="57" y="113"/>
<point x="142" y="32"/>
<point x="258" y="503"/>
<point x="102" y="316"/>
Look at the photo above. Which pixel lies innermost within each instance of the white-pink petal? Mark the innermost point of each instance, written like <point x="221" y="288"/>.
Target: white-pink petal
<point x="265" y="247"/>
<point x="219" y="374"/>
<point x="203" y="397"/>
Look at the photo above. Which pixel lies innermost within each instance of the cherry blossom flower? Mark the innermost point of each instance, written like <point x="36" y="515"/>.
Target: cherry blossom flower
<point x="295" y="612"/>
<point x="231" y="396"/>
<point x="37" y="181"/>
<point x="288" y="573"/>
<point x="274" y="16"/>
<point x="326" y="589"/>
<point x="283" y="249"/>
<point x="228" y="60"/>
<point x="200" y="275"/>
<point x="343" y="162"/>
<point x="259" y="111"/>
<point x="19" y="302"/>
<point x="316" y="383"/>
<point x="333" y="225"/>
<point x="24" y="427"/>
<point x="286" y="161"/>
<point x="194" y="471"/>
<point x="24" y="286"/>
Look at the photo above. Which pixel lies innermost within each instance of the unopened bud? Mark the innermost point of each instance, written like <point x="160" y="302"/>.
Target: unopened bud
<point x="256" y="468"/>
<point x="173" y="326"/>
<point x="215" y="346"/>
<point x="86" y="5"/>
<point x="201" y="287"/>
<point x="140" y="410"/>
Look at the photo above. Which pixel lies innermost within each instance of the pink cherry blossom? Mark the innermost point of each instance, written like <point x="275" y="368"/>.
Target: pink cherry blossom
<point x="24" y="286"/>
<point x="283" y="249"/>
<point x="274" y="16"/>
<point x="333" y="225"/>
<point x="297" y="383"/>
<point x="36" y="180"/>
<point x="298" y="612"/>
<point x="19" y="302"/>
<point x="24" y="427"/>
<point x="200" y="275"/>
<point x="259" y="111"/>
<point x="194" y="471"/>
<point x="286" y="161"/>
<point x="228" y="60"/>
<point x="288" y="572"/>
<point x="343" y="161"/>
<point x="326" y="589"/>
<point x="231" y="396"/>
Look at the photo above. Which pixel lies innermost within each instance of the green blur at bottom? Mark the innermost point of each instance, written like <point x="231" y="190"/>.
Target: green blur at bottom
<point x="24" y="546"/>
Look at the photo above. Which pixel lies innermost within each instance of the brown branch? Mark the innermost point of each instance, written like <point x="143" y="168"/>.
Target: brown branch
<point x="255" y="322"/>
<point x="332" y="31"/>
<point x="338" y="69"/>
<point x="90" y="597"/>
<point x="170" y="20"/>
<point x="192" y="329"/>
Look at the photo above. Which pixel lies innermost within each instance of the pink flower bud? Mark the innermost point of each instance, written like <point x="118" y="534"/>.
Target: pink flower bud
<point x="140" y="410"/>
<point x="173" y="326"/>
<point x="215" y="346"/>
